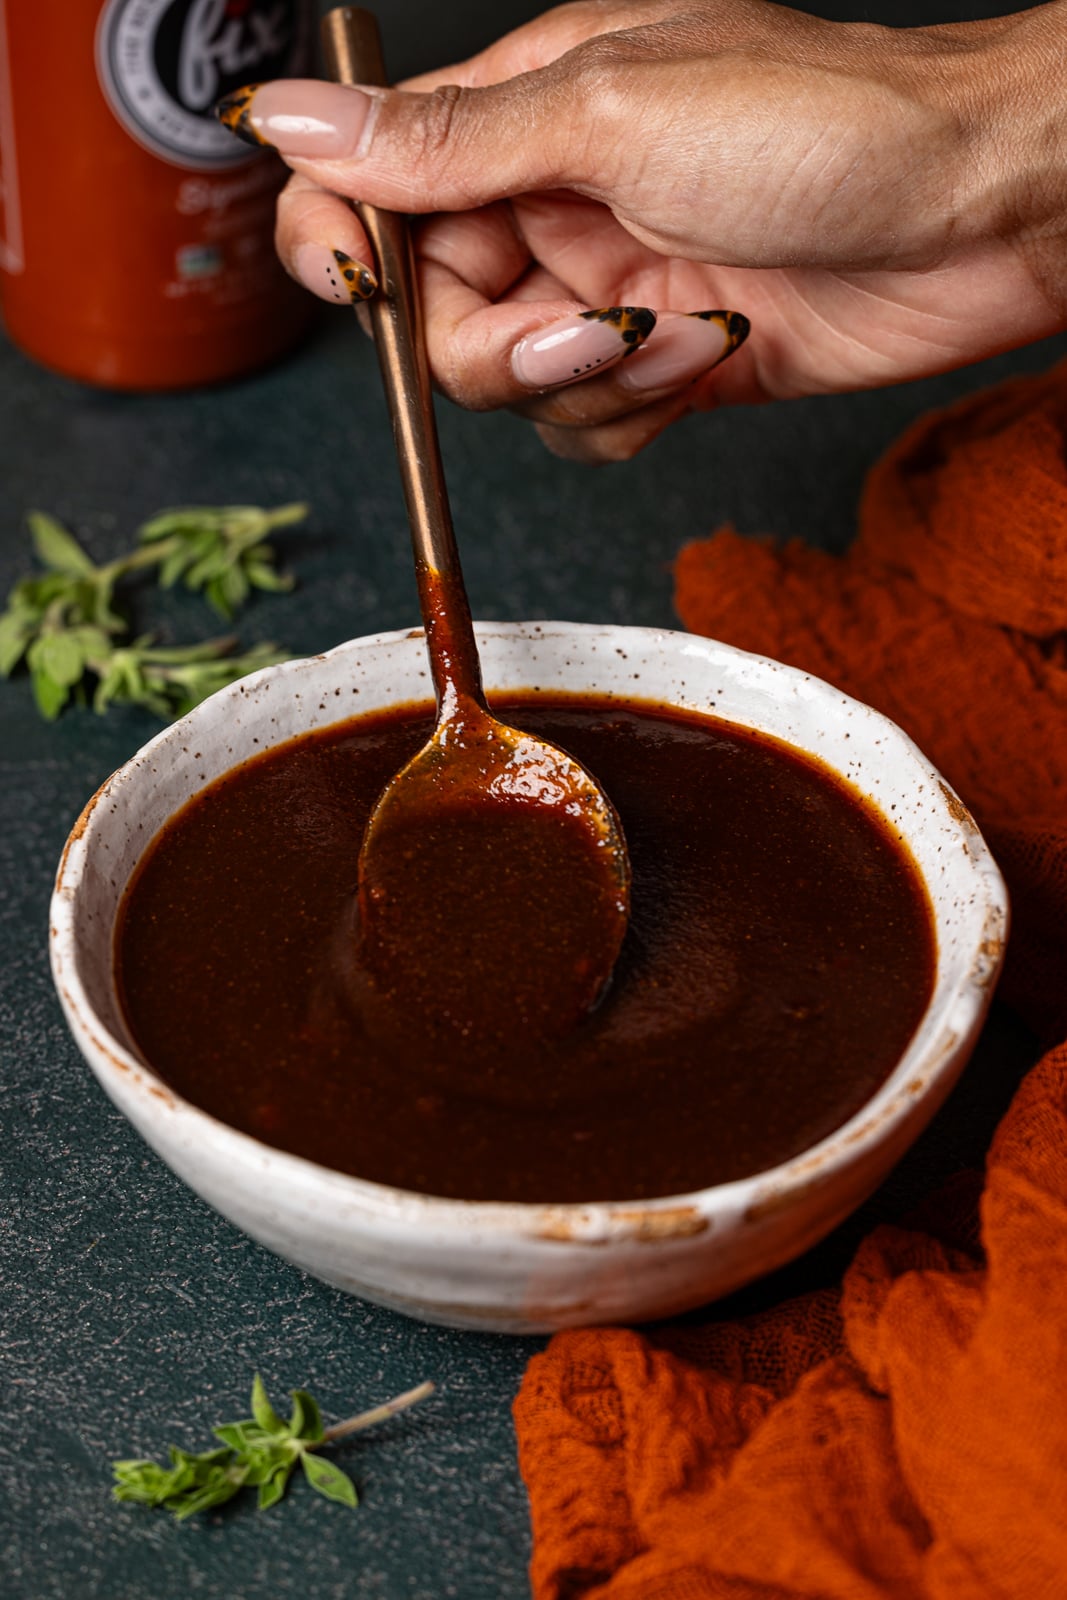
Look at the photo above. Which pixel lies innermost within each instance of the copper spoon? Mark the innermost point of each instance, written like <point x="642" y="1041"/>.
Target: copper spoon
<point x="541" y="940"/>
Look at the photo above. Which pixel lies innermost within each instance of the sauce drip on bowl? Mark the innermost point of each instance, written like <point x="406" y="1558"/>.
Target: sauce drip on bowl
<point x="779" y="956"/>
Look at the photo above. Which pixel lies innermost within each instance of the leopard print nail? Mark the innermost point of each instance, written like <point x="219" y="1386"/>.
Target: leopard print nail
<point x="734" y="325"/>
<point x="355" y="277"/>
<point x="634" y="323"/>
<point x="232" y="111"/>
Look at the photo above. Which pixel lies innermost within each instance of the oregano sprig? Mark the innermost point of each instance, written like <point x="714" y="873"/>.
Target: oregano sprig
<point x="65" y="625"/>
<point x="260" y="1452"/>
<point x="221" y="551"/>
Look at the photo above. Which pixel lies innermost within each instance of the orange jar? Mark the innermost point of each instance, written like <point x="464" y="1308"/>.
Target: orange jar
<point x="135" y="232"/>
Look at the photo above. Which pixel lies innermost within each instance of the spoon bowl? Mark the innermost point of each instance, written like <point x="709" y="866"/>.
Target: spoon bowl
<point x="536" y="863"/>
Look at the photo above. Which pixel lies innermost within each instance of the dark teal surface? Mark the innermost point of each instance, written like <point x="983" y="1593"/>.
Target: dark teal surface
<point x="131" y="1315"/>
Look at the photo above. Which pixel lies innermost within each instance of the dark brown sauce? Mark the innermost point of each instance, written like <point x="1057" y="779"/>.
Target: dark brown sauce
<point x="779" y="956"/>
<point x="493" y="899"/>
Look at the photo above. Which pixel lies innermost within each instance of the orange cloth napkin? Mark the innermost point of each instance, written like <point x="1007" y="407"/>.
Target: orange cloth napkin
<point x="906" y="1435"/>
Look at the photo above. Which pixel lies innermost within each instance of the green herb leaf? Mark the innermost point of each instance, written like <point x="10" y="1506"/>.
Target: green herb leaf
<point x="186" y="521"/>
<point x="16" y="632"/>
<point x="295" y="1425"/>
<point x="306" y="1420"/>
<point x="59" y="656"/>
<point x="93" y="642"/>
<point x="328" y="1480"/>
<point x="210" y="565"/>
<point x="99" y="608"/>
<point x="263" y="1411"/>
<point x="173" y="567"/>
<point x="55" y="546"/>
<point x="144" y="1482"/>
<point x="271" y="1489"/>
<point x="262" y="576"/>
<point x="268" y="1460"/>
<point x="220" y="1484"/>
<point x="243" y="1436"/>
<point x="50" y="696"/>
<point x="198" y="1464"/>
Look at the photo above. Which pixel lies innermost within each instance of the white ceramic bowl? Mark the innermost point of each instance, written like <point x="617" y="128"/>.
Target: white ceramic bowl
<point x="525" y="1268"/>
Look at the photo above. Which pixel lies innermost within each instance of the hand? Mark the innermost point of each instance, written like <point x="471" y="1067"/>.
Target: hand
<point x="881" y="204"/>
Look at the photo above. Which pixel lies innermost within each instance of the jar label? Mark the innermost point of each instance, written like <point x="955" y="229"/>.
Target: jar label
<point x="164" y="63"/>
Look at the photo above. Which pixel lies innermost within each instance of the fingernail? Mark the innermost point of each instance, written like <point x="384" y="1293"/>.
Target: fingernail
<point x="684" y="347"/>
<point x="232" y="112"/>
<point x="334" y="276"/>
<point x="301" y="117"/>
<point x="576" y="346"/>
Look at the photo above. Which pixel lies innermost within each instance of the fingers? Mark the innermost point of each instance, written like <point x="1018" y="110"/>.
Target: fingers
<point x="322" y="244"/>
<point x="504" y="331"/>
<point x="487" y="355"/>
<point x="681" y="349"/>
<point x="618" y="440"/>
<point x="614" y="415"/>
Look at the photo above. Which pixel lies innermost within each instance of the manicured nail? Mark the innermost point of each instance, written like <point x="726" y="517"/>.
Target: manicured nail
<point x="232" y="112"/>
<point x="301" y="117"/>
<point x="683" y="348"/>
<point x="577" y="346"/>
<point x="334" y="276"/>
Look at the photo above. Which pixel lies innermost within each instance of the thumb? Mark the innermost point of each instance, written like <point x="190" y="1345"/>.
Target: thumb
<point x="449" y="150"/>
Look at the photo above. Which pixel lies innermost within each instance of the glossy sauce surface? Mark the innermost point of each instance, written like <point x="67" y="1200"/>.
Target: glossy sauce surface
<point x="779" y="956"/>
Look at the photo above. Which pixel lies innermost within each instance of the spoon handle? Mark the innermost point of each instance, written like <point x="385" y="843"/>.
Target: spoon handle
<point x="353" y="52"/>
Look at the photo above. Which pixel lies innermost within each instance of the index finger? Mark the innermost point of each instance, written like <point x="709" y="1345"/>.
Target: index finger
<point x="321" y="243"/>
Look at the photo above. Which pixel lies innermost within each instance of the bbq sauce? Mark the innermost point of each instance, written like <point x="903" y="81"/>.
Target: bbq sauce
<point x="779" y="956"/>
<point x="491" y="914"/>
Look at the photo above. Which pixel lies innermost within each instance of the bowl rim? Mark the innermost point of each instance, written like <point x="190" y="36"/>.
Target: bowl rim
<point x="130" y="1081"/>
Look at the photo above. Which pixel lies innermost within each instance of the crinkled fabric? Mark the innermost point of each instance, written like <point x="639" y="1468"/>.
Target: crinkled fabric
<point x="903" y="1437"/>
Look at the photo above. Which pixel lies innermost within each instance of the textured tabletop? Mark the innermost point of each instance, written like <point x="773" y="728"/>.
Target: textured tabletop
<point x="130" y="1314"/>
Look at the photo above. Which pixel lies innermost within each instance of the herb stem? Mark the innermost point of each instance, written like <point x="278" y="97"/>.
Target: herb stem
<point x="367" y="1419"/>
<point x="147" y="555"/>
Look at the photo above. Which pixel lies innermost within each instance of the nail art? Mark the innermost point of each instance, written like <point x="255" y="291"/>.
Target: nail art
<point x="333" y="275"/>
<point x="232" y="111"/>
<point x="684" y="349"/>
<point x="576" y="346"/>
<point x="734" y="325"/>
<point x="634" y="323"/>
<point x="357" y="279"/>
<point x="302" y="117"/>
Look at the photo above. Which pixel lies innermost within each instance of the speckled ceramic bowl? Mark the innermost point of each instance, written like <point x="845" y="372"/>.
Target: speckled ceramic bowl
<point x="531" y="1268"/>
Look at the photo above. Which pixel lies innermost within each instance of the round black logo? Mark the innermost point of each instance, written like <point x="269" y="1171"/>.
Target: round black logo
<point x="164" y="63"/>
